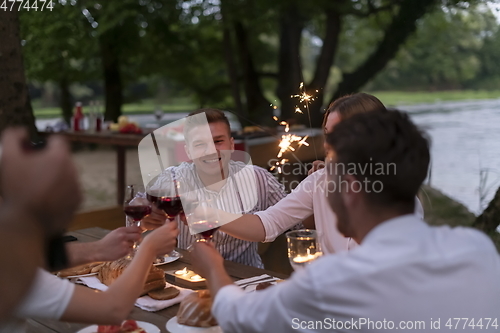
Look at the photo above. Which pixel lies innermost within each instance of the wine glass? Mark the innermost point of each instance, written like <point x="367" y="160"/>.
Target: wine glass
<point x="166" y="198"/>
<point x="204" y="220"/>
<point x="303" y="247"/>
<point x="135" y="208"/>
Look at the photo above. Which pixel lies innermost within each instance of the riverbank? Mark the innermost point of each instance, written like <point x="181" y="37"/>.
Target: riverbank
<point x="402" y="98"/>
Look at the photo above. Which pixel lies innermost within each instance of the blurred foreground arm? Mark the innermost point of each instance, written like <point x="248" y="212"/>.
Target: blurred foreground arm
<point x="40" y="193"/>
<point x="113" y="246"/>
<point x="115" y="304"/>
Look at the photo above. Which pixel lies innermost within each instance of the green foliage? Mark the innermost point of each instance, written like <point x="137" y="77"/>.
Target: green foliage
<point x="58" y="44"/>
<point x="445" y="53"/>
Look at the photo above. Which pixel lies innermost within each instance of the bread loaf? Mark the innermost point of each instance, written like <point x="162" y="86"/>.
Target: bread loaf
<point x="80" y="270"/>
<point x="110" y="271"/>
<point x="195" y="310"/>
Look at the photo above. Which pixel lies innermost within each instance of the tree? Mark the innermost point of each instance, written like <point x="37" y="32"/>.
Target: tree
<point x="15" y="105"/>
<point x="59" y="47"/>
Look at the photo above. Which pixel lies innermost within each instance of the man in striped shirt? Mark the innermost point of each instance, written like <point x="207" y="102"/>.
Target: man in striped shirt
<point x="229" y="185"/>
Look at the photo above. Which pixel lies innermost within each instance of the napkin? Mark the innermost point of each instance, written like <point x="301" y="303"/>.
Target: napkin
<point x="144" y="302"/>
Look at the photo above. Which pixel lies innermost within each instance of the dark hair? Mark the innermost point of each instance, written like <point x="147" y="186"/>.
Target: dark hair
<point x="213" y="116"/>
<point x="391" y="139"/>
<point x="353" y="104"/>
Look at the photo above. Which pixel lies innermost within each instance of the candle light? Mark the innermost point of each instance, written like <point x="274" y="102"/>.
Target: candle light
<point x="183" y="271"/>
<point x="196" y="278"/>
<point x="303" y="259"/>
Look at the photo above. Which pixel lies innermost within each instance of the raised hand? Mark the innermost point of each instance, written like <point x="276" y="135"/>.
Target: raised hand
<point x="42" y="183"/>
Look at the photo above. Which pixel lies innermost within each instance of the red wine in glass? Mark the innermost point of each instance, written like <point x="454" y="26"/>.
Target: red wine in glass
<point x="152" y="198"/>
<point x="172" y="206"/>
<point x="208" y="234"/>
<point x="209" y="228"/>
<point x="138" y="212"/>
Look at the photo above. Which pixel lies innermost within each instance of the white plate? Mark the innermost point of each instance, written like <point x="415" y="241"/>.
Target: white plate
<point x="168" y="258"/>
<point x="149" y="328"/>
<point x="174" y="327"/>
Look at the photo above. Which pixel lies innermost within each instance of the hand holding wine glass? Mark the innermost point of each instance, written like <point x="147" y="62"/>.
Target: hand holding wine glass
<point x="135" y="208"/>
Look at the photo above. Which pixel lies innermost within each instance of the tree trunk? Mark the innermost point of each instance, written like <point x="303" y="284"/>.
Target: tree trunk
<point x="258" y="107"/>
<point x="66" y="100"/>
<point x="323" y="65"/>
<point x="401" y="27"/>
<point x="489" y="220"/>
<point x="290" y="69"/>
<point x="112" y="77"/>
<point x="15" y="104"/>
<point x="231" y="65"/>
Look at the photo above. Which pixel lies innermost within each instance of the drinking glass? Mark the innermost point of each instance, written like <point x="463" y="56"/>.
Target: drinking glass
<point x="203" y="220"/>
<point x="303" y="247"/>
<point x="135" y="208"/>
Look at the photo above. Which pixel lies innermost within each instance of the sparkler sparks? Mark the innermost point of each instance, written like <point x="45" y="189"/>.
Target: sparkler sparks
<point x="286" y="144"/>
<point x="304" y="98"/>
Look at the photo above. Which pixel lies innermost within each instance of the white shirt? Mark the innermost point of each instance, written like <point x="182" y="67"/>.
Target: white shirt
<point x="242" y="193"/>
<point x="405" y="271"/>
<point x="48" y="297"/>
<point x="309" y="198"/>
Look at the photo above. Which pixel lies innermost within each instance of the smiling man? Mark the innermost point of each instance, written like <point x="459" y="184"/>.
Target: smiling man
<point x="229" y="185"/>
<point x="405" y="275"/>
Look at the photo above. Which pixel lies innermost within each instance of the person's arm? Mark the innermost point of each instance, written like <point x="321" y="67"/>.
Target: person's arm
<point x="40" y="193"/>
<point x="268" y="310"/>
<point x="269" y="224"/>
<point x="114" y="305"/>
<point x="113" y="246"/>
<point x="21" y="252"/>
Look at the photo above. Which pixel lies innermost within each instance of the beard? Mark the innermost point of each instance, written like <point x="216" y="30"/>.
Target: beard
<point x="343" y="220"/>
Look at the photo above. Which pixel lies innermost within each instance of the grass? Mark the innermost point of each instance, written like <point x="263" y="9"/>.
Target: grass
<point x="389" y="98"/>
<point x="145" y="107"/>
<point x="397" y="98"/>
<point x="443" y="210"/>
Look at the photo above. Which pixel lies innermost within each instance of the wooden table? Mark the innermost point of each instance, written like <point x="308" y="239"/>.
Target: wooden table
<point x="118" y="140"/>
<point x="159" y="318"/>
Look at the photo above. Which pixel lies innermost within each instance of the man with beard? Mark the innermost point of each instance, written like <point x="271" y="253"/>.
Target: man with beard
<point x="405" y="273"/>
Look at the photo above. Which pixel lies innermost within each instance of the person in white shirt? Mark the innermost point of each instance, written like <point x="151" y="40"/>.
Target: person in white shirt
<point x="308" y="198"/>
<point x="54" y="298"/>
<point x="405" y="275"/>
<point x="241" y="189"/>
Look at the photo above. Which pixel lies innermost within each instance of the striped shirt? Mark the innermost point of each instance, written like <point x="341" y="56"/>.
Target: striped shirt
<point x="248" y="189"/>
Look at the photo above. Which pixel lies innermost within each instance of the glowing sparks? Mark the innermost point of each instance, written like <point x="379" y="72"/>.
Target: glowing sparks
<point x="304" y="98"/>
<point x="286" y="144"/>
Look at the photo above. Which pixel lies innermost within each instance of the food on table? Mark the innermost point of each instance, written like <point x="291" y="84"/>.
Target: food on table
<point x="80" y="270"/>
<point x="194" y="310"/>
<point x="128" y="326"/>
<point x="110" y="271"/>
<point x="263" y="285"/>
<point x="125" y="126"/>
<point x="164" y="294"/>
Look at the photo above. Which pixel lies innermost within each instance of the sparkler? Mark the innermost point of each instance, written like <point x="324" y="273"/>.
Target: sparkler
<point x="286" y="144"/>
<point x="287" y="140"/>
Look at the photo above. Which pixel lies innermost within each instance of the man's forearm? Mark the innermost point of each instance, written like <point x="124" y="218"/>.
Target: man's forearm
<point x="248" y="227"/>
<point x="218" y="279"/>
<point x="81" y="253"/>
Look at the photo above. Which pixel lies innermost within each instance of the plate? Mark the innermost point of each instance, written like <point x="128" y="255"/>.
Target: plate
<point x="168" y="258"/>
<point x="149" y="328"/>
<point x="174" y="327"/>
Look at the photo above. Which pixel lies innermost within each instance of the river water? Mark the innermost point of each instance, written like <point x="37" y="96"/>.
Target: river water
<point x="465" y="139"/>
